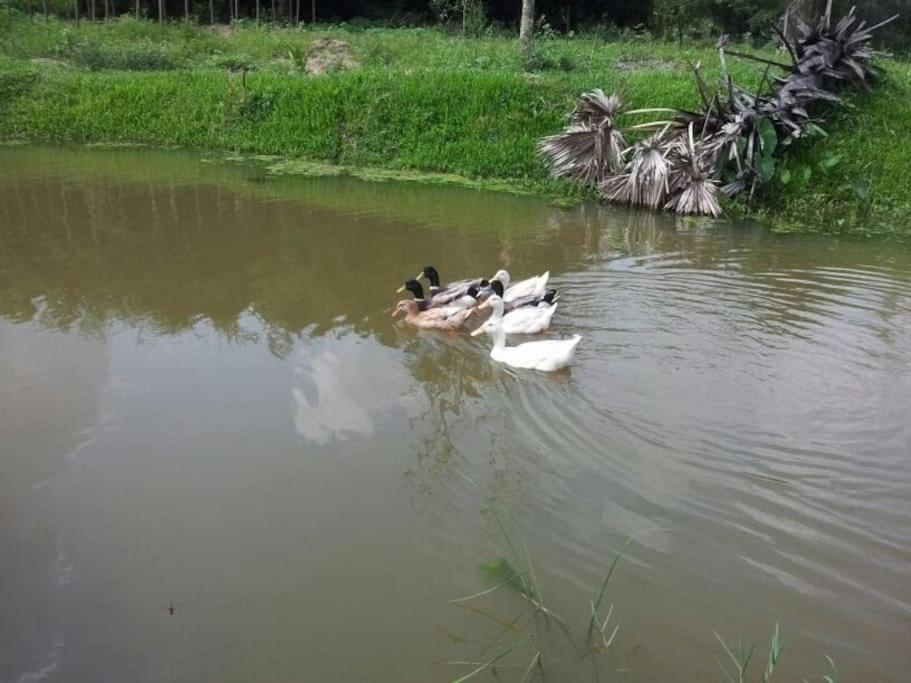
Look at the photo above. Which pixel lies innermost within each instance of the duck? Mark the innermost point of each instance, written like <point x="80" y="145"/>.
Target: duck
<point x="446" y="318"/>
<point x="443" y="295"/>
<point x="524" y="320"/>
<point x="546" y="356"/>
<point x="549" y="297"/>
<point x="468" y="299"/>
<point x="532" y="286"/>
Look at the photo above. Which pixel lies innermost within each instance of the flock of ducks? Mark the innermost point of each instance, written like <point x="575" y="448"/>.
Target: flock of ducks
<point x="524" y="307"/>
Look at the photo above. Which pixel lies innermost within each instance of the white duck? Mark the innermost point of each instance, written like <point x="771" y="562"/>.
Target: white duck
<point x="532" y="286"/>
<point x="547" y="356"/>
<point x="525" y="320"/>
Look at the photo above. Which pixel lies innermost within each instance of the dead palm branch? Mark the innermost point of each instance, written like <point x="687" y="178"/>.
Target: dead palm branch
<point x="729" y="145"/>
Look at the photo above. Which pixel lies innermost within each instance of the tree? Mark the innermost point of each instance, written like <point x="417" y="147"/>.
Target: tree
<point x="527" y="23"/>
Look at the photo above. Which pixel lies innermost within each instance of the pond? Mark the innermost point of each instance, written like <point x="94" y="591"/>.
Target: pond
<point x="222" y="460"/>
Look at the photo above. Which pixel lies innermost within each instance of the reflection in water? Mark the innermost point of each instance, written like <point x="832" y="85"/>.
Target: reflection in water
<point x="341" y="390"/>
<point x="182" y="344"/>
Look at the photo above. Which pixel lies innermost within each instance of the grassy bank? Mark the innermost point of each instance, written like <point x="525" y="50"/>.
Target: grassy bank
<point x="418" y="100"/>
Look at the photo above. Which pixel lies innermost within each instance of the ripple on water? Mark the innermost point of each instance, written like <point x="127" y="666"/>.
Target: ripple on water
<point x="767" y="405"/>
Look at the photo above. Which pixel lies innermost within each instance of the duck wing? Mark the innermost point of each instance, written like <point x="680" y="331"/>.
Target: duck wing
<point x="449" y="294"/>
<point x="532" y="286"/>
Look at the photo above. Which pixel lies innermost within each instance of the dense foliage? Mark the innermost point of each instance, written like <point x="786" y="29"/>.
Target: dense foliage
<point x="422" y="100"/>
<point x="664" y="18"/>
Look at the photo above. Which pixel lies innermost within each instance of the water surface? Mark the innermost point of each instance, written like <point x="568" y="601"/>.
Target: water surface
<point x="204" y="404"/>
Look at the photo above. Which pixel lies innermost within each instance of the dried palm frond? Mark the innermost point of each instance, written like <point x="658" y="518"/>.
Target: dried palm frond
<point x="595" y="106"/>
<point x="585" y="154"/>
<point x="618" y="188"/>
<point x="650" y="170"/>
<point x="691" y="186"/>
<point x="682" y="164"/>
<point x="698" y="195"/>
<point x="592" y="147"/>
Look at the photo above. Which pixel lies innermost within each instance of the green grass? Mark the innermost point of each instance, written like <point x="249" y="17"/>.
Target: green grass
<point x="421" y="101"/>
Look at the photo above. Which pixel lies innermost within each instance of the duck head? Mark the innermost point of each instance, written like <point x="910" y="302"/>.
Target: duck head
<point x="433" y="277"/>
<point x="501" y="276"/>
<point x="493" y="301"/>
<point x="496" y="286"/>
<point x="487" y="328"/>
<point x="495" y="329"/>
<point x="414" y="287"/>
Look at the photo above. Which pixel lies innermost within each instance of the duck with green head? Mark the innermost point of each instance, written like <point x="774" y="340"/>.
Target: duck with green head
<point x="450" y="291"/>
<point x="444" y="295"/>
<point x="467" y="300"/>
<point x="422" y="313"/>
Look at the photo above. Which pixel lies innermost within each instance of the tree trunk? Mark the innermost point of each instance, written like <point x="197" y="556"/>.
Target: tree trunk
<point x="47" y="11"/>
<point x="31" y="11"/>
<point x="92" y="10"/>
<point x="257" y="12"/>
<point x="312" y="11"/>
<point x="137" y="10"/>
<point x="527" y="23"/>
<point x="274" y="15"/>
<point x="297" y="12"/>
<point x="186" y="10"/>
<point x="160" y="11"/>
<point x="76" y="11"/>
<point x="105" y="9"/>
<point x="211" y="12"/>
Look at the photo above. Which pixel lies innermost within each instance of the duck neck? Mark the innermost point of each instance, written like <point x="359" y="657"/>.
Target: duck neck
<point x="497" y="309"/>
<point x="499" y="338"/>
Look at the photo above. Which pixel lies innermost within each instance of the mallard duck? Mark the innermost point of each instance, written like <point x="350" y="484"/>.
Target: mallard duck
<point x="546" y="356"/>
<point x="443" y="295"/>
<point x="549" y="297"/>
<point x="447" y="318"/>
<point x="466" y="300"/>
<point x="532" y="286"/>
<point x="524" y="320"/>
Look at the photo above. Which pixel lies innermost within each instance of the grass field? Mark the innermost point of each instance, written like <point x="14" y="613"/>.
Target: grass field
<point x="422" y="100"/>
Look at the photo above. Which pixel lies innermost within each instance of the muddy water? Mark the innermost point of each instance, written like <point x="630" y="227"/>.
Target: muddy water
<point x="204" y="406"/>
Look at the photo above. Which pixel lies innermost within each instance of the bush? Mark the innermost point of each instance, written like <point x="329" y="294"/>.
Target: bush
<point x="143" y="55"/>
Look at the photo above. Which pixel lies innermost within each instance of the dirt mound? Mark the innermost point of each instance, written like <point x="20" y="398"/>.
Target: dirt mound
<point x="328" y="54"/>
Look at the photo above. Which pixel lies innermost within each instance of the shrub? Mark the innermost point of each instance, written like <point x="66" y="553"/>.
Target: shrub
<point x="143" y="55"/>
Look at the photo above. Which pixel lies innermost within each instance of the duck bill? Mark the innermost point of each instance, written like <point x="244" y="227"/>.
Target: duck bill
<point x="484" y="304"/>
<point x="478" y="331"/>
<point x="419" y="276"/>
<point x="400" y="289"/>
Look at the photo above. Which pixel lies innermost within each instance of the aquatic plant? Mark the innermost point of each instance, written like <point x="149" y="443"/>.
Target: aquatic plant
<point x="729" y="145"/>
<point x="742" y="657"/>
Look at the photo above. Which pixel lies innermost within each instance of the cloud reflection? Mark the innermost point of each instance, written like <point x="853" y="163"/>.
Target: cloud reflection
<point x="342" y="388"/>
